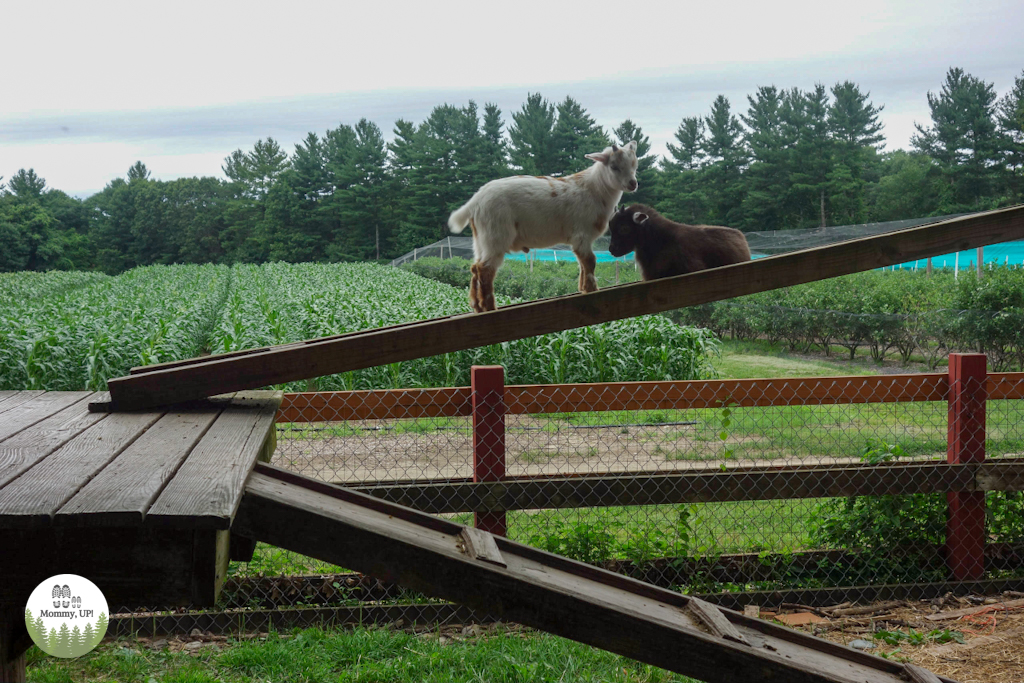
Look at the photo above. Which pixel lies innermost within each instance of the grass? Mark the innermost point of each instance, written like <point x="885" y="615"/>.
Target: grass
<point x="361" y="655"/>
<point x="752" y="359"/>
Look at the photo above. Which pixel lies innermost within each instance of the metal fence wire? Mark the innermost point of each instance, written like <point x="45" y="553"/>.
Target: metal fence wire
<point x="812" y="490"/>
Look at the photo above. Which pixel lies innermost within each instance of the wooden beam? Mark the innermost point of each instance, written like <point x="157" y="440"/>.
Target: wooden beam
<point x="370" y="348"/>
<point x="538" y="589"/>
<point x="822" y="481"/>
<point x="530" y="399"/>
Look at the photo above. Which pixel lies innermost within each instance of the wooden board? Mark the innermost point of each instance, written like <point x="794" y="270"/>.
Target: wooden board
<point x="538" y="589"/>
<point x="122" y="492"/>
<point x="36" y="409"/>
<point x="26" y="448"/>
<point x="34" y="497"/>
<point x="608" y="396"/>
<point x="9" y="398"/>
<point x="369" y="348"/>
<point x="821" y="481"/>
<point x="205" y="491"/>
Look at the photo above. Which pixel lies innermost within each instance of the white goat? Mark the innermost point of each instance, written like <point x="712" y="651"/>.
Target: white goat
<point x="531" y="212"/>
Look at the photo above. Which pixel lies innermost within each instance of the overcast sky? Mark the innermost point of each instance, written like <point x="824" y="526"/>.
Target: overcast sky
<point x="86" y="89"/>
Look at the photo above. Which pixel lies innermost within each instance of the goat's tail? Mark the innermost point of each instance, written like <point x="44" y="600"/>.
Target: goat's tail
<point x="459" y="219"/>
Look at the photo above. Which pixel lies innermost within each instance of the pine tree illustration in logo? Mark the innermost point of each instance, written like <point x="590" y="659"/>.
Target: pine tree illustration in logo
<point x="51" y="641"/>
<point x="89" y="637"/>
<point x="101" y="628"/>
<point x="63" y="648"/>
<point x="76" y="648"/>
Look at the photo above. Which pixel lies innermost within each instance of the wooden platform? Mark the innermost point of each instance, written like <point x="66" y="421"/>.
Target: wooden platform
<point x="141" y="503"/>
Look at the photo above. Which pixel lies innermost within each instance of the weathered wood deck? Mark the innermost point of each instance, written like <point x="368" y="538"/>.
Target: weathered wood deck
<point x="140" y="502"/>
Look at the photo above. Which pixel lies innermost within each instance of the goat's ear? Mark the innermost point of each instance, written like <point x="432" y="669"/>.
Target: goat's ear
<point x="631" y="145"/>
<point x="615" y="148"/>
<point x="640" y="218"/>
<point x="598" y="156"/>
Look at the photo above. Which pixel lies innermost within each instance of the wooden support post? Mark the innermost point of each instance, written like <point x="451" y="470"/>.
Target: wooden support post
<point x="488" y="401"/>
<point x="14" y="641"/>
<point x="965" y="528"/>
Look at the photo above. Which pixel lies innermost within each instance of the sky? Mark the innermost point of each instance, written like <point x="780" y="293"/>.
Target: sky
<point x="86" y="89"/>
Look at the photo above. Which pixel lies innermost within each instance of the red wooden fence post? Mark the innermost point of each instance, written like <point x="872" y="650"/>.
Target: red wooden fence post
<point x="965" y="528"/>
<point x="488" y="390"/>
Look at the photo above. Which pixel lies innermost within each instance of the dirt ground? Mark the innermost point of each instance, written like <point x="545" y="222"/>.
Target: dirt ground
<point x="993" y="647"/>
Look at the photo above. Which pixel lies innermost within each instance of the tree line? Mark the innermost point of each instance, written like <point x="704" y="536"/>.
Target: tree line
<point x="792" y="159"/>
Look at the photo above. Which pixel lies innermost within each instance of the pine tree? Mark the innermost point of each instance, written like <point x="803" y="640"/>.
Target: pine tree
<point x="812" y="157"/>
<point x="1010" y="120"/>
<point x="26" y="184"/>
<point x="52" y="643"/>
<point x="88" y="637"/>
<point x="857" y="138"/>
<point x="767" y="178"/>
<point x="723" y="147"/>
<point x="138" y="171"/>
<point x="646" y="173"/>
<point x="575" y="134"/>
<point x="101" y="628"/>
<point x="963" y="140"/>
<point x="76" y="644"/>
<point x="688" y="155"/>
<point x="63" y="648"/>
<point x="532" y="149"/>
<point x="494" y="152"/>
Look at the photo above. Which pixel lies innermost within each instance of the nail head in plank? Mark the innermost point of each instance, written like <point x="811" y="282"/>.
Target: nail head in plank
<point x="36" y="409"/>
<point x="480" y="545"/>
<point x="122" y="492"/>
<point x="713" y="619"/>
<point x="33" y="498"/>
<point x="206" y="490"/>
<point x="31" y="445"/>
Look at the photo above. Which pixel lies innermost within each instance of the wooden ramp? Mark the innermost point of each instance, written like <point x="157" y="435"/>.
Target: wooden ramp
<point x="191" y="379"/>
<point x="545" y="591"/>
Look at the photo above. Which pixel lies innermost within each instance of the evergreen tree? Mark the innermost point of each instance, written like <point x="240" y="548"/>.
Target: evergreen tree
<point x="77" y="645"/>
<point x="646" y="173"/>
<point x="52" y="642"/>
<point x="101" y="628"/>
<point x="1010" y="120"/>
<point x="767" y="178"/>
<point x="531" y="138"/>
<point x="252" y="174"/>
<point x="63" y="648"/>
<point x="575" y="134"/>
<point x="681" y="193"/>
<point x="856" y="135"/>
<point x="812" y="158"/>
<point x="26" y="184"/>
<point x="360" y="199"/>
<point x="963" y="140"/>
<point x="494" y="151"/>
<point x="138" y="171"/>
<point x="88" y="637"/>
<point x="727" y="157"/>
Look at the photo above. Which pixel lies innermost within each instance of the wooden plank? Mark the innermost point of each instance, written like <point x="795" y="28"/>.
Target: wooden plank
<point x="122" y="492"/>
<point x="31" y="445"/>
<point x="1005" y="385"/>
<point x="606" y="396"/>
<point x="715" y="621"/>
<point x="6" y="396"/>
<point x="518" y="321"/>
<point x="374" y="405"/>
<point x="545" y="591"/>
<point x="481" y="546"/>
<point x="34" y="497"/>
<point x="36" y="409"/>
<point x="205" y="490"/>
<point x="917" y="674"/>
<point x="209" y="565"/>
<point x="132" y="566"/>
<point x="712" y="485"/>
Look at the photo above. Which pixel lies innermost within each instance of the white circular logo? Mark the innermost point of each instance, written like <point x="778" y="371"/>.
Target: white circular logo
<point x="66" y="615"/>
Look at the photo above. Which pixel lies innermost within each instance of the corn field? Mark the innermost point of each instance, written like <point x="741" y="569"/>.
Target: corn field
<point x="71" y="331"/>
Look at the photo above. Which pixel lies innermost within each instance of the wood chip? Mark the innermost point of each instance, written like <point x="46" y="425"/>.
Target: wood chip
<point x="867" y="609"/>
<point x="800" y="619"/>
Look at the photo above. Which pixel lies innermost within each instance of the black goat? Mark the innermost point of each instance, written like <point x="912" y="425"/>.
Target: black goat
<point x="664" y="248"/>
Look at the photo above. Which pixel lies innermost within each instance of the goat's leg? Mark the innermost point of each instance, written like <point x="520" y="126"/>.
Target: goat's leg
<point x="486" y="272"/>
<point x="474" y="288"/>
<point x="588" y="264"/>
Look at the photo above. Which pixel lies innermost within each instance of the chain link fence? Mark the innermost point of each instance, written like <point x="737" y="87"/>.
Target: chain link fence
<point x="812" y="490"/>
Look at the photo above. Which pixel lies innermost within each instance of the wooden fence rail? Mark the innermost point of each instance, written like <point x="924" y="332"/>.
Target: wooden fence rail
<point x="965" y="477"/>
